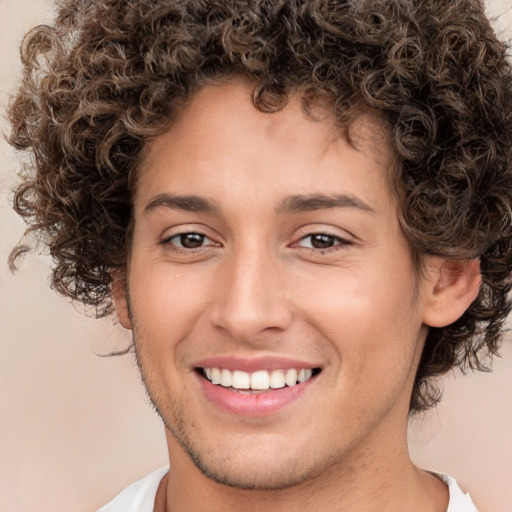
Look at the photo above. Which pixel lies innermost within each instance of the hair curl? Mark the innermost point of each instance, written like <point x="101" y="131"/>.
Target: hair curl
<point x="109" y="75"/>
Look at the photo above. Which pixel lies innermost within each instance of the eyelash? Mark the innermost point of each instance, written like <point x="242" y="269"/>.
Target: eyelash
<point x="181" y="236"/>
<point x="333" y="241"/>
<point x="336" y="242"/>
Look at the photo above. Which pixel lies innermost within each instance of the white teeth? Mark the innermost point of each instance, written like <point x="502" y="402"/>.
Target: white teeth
<point x="225" y="378"/>
<point x="277" y="379"/>
<point x="241" y="380"/>
<point x="259" y="380"/>
<point x="215" y="376"/>
<point x="291" y="377"/>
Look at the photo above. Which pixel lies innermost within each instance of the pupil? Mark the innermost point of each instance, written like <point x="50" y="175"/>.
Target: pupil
<point x="322" y="241"/>
<point x="191" y="240"/>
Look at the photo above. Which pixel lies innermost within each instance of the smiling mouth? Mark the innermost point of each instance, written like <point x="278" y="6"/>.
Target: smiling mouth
<point x="259" y="381"/>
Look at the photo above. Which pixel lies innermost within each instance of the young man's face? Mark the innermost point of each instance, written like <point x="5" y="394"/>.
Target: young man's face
<point x="267" y="249"/>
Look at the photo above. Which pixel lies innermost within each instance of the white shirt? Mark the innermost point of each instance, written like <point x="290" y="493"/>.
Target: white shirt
<point x="140" y="496"/>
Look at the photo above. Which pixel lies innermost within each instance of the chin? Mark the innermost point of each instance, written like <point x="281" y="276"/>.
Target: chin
<point x="258" y="475"/>
<point x="244" y="463"/>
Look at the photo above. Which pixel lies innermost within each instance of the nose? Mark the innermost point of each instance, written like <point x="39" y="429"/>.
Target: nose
<point x="251" y="297"/>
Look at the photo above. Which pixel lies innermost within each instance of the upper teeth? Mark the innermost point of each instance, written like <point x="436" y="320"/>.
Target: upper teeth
<point x="261" y="379"/>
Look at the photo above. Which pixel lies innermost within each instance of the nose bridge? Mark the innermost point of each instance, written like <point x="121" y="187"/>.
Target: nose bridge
<point x="251" y="298"/>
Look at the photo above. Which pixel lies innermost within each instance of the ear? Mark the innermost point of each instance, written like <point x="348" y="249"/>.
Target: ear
<point x="450" y="287"/>
<point x="120" y="298"/>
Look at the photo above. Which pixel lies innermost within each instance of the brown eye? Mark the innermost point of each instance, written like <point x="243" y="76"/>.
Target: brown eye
<point x="188" y="240"/>
<point x="321" y="241"/>
<point x="191" y="240"/>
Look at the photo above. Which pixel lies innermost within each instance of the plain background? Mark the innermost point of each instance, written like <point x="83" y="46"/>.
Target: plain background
<point x="75" y="428"/>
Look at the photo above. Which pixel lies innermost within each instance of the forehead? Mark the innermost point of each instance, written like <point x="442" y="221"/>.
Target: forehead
<point x="219" y="129"/>
<point x="231" y="103"/>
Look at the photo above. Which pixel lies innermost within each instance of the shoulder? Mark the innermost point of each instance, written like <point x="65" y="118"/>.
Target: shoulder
<point x="137" y="497"/>
<point x="459" y="500"/>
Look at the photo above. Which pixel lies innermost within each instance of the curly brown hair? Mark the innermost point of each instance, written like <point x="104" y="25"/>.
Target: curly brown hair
<point x="109" y="75"/>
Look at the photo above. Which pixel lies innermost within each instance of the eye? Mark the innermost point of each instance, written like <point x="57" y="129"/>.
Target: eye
<point x="321" y="241"/>
<point x="189" y="240"/>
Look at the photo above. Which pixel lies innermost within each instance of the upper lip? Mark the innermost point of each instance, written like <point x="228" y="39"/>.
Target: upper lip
<point x="252" y="364"/>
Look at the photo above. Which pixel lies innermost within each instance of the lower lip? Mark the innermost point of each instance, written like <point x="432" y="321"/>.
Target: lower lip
<point x="253" y="404"/>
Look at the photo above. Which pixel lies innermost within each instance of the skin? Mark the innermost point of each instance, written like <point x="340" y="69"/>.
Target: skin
<point x="256" y="286"/>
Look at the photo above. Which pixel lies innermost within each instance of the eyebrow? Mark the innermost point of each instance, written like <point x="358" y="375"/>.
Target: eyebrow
<point x="291" y="204"/>
<point x="187" y="203"/>
<point x="311" y="202"/>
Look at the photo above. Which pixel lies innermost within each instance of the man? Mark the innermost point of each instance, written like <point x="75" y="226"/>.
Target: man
<point x="301" y="209"/>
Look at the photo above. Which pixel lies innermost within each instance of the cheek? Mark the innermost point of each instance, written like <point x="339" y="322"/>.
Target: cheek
<point x="167" y="304"/>
<point x="369" y="317"/>
<point x="163" y="294"/>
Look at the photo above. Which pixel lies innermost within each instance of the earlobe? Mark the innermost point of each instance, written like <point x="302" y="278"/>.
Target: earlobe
<point x="450" y="288"/>
<point x="119" y="297"/>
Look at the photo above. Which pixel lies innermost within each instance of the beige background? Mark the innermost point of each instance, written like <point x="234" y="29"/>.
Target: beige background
<point x="75" y="428"/>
